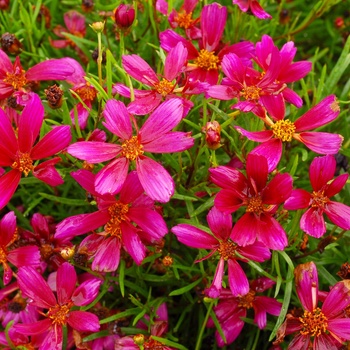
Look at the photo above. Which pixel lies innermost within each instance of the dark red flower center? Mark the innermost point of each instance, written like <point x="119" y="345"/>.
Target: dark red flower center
<point x="247" y="300"/>
<point x="17" y="305"/>
<point x="207" y="60"/>
<point x="59" y="313"/>
<point x="313" y="323"/>
<point x="164" y="87"/>
<point x="318" y="199"/>
<point x="132" y="148"/>
<point x="118" y="213"/>
<point x="227" y="249"/>
<point x="283" y="130"/>
<point x="23" y="163"/>
<point x="184" y="19"/>
<point x="17" y="80"/>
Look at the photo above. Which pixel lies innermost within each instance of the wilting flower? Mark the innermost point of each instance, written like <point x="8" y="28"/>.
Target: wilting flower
<point x="207" y="61"/>
<point x="325" y="327"/>
<point x="230" y="309"/>
<point x="260" y="198"/>
<point x="221" y="241"/>
<point x="21" y="256"/>
<point x="284" y="130"/>
<point x="117" y="216"/>
<point x="19" y="152"/>
<point x="324" y="186"/>
<point x="252" y="6"/>
<point x="48" y="332"/>
<point x="14" y="78"/>
<point x="154" y="136"/>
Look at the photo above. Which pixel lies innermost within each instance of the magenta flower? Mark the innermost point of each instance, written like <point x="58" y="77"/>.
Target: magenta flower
<point x="221" y="241"/>
<point x="117" y="216"/>
<point x="230" y="310"/>
<point x="48" y="331"/>
<point x="318" y="202"/>
<point x="325" y="327"/>
<point x="14" y="78"/>
<point x="19" y="152"/>
<point x="207" y="59"/>
<point x="22" y="256"/>
<point x="285" y="130"/>
<point x="147" y="100"/>
<point x="252" y="6"/>
<point x="260" y="198"/>
<point x="154" y="136"/>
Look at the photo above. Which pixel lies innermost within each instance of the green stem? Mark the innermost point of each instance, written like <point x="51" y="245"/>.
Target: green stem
<point x="204" y="324"/>
<point x="99" y="58"/>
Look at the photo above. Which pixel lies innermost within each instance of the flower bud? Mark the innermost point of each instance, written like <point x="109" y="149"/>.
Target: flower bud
<point x="98" y="26"/>
<point x="124" y="16"/>
<point x="87" y="5"/>
<point x="139" y="339"/>
<point x="212" y="132"/>
<point x="4" y="4"/>
<point x="54" y="96"/>
<point x="10" y="44"/>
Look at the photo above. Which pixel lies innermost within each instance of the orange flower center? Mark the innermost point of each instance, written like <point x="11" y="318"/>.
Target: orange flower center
<point x="313" y="323"/>
<point x="164" y="87"/>
<point x="59" y="313"/>
<point x="152" y="344"/>
<point x="86" y="93"/>
<point x="132" y="148"/>
<point x="251" y="93"/>
<point x="227" y="249"/>
<point x="207" y="60"/>
<point x="17" y="80"/>
<point x="184" y="19"/>
<point x="247" y="300"/>
<point x="318" y="199"/>
<point x="3" y="255"/>
<point x="255" y="205"/>
<point x="118" y="213"/>
<point x="23" y="163"/>
<point x="283" y="130"/>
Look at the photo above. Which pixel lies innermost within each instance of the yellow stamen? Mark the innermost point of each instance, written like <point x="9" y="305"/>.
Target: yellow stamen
<point x="319" y="200"/>
<point x="3" y="255"/>
<point x="17" y="80"/>
<point x="184" y="19"/>
<point x="118" y="213"/>
<point x="283" y="130"/>
<point x="207" y="60"/>
<point x="87" y="93"/>
<point x="255" y="205"/>
<point x="246" y="301"/>
<point x="227" y="249"/>
<point x="132" y="148"/>
<point x="59" y="313"/>
<point x="164" y="87"/>
<point x="313" y="323"/>
<point x="251" y="93"/>
<point x="23" y="163"/>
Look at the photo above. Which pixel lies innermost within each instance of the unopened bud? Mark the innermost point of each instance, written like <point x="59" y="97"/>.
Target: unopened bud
<point x="212" y="132"/>
<point x="139" y="339"/>
<point x="87" y="5"/>
<point x="98" y="26"/>
<point x="67" y="253"/>
<point x="124" y="16"/>
<point x="4" y="4"/>
<point x="54" y="96"/>
<point x="10" y="44"/>
<point x="167" y="260"/>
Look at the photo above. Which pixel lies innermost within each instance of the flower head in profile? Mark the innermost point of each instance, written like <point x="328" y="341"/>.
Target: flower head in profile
<point x="317" y="203"/>
<point x="260" y="198"/>
<point x="155" y="136"/>
<point x="19" y="150"/>
<point x="253" y="7"/>
<point x="57" y="309"/>
<point x="319" y="327"/>
<point x="230" y="309"/>
<point x="220" y="241"/>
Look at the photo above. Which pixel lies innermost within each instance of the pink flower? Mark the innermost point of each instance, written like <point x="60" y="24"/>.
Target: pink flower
<point x="19" y="152"/>
<point x="252" y="6"/>
<point x="318" y="202"/>
<point x="48" y="331"/>
<point x="22" y="256"/>
<point x="325" y="327"/>
<point x="230" y="309"/>
<point x="147" y="100"/>
<point x="14" y="78"/>
<point x="117" y="216"/>
<point x="207" y="59"/>
<point x="285" y="130"/>
<point x="154" y="136"/>
<point x="221" y="241"/>
<point x="260" y="198"/>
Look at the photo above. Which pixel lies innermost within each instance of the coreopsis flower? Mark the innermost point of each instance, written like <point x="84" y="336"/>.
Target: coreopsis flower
<point x="14" y="78"/>
<point x="260" y="198"/>
<point x="147" y="100"/>
<point x="61" y="309"/>
<point x="221" y="241"/>
<point x="317" y="203"/>
<point x="21" y="256"/>
<point x="207" y="60"/>
<point x="319" y="327"/>
<point x="154" y="136"/>
<point x="117" y="216"/>
<point x="230" y="310"/>
<point x="284" y="130"/>
<point x="252" y="6"/>
<point x="19" y="152"/>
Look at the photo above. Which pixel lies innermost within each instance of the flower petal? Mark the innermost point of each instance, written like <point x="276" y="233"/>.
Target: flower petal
<point x="237" y="278"/>
<point x="8" y="186"/>
<point x="139" y="69"/>
<point x="132" y="243"/>
<point x="321" y="171"/>
<point x="219" y="223"/>
<point x="175" y="141"/>
<point x="175" y="61"/>
<point x="320" y="142"/>
<point x="83" y="321"/>
<point x="107" y="256"/>
<point x="312" y="222"/>
<point x="66" y="281"/>
<point x="299" y="199"/>
<point x="339" y="214"/>
<point x="87" y="292"/>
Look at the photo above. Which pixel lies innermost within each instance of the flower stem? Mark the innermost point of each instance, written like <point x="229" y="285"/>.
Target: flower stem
<point x="199" y="339"/>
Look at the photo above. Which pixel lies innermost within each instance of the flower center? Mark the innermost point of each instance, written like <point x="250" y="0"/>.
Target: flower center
<point x="58" y="314"/>
<point x="17" y="80"/>
<point x="283" y="129"/>
<point x="86" y="93"/>
<point x="318" y="199"/>
<point x="23" y="163"/>
<point x="132" y="148"/>
<point x="118" y="213"/>
<point x="246" y="301"/>
<point x="164" y="87"/>
<point x="227" y="249"/>
<point x="255" y="205"/>
<point x="313" y="323"/>
<point x="17" y="305"/>
<point x="251" y="93"/>
<point x="3" y="255"/>
<point x="207" y="60"/>
<point x="152" y="344"/>
<point x="184" y="19"/>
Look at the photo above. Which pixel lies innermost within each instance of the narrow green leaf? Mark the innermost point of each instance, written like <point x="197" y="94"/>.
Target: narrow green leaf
<point x="184" y="289"/>
<point x="79" y="202"/>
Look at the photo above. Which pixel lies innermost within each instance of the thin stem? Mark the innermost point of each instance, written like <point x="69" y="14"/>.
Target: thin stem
<point x="201" y="332"/>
